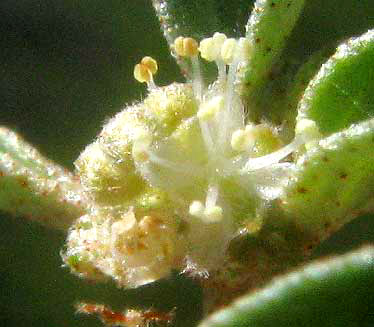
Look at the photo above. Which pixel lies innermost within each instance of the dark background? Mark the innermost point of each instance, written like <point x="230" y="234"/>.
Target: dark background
<point x="65" y="67"/>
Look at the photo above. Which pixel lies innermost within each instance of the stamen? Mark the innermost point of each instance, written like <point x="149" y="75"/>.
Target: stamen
<point x="307" y="133"/>
<point x="208" y="109"/>
<point x="213" y="214"/>
<point x="243" y="139"/>
<point x="197" y="83"/>
<point x="210" y="213"/>
<point x="272" y="158"/>
<point x="186" y="169"/>
<point x="308" y="130"/>
<point x="210" y="48"/>
<point x="211" y="196"/>
<point x="229" y="94"/>
<point x="188" y="47"/>
<point x="207" y="137"/>
<point x="150" y="63"/>
<point x="205" y="114"/>
<point x="206" y="49"/>
<point x="239" y="140"/>
<point x="221" y="71"/>
<point x="141" y="73"/>
<point x="227" y="51"/>
<point x="206" y="214"/>
<point x="196" y="209"/>
<point x="144" y="71"/>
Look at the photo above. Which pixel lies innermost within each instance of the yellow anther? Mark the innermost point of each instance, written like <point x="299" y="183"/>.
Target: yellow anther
<point x="210" y="48"/>
<point x="307" y="129"/>
<point x="190" y="47"/>
<point x="209" y="108"/>
<point x="228" y="50"/>
<point x="251" y="129"/>
<point x="144" y="71"/>
<point x="213" y="214"/>
<point x="151" y="64"/>
<point x="196" y="209"/>
<point x="243" y="139"/>
<point x="178" y="46"/>
<point x="219" y="39"/>
<point x="186" y="47"/>
<point x="142" y="74"/>
<point x="239" y="140"/>
<point x="206" y="46"/>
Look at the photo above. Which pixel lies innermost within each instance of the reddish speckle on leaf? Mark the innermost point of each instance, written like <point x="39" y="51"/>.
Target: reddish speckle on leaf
<point x="301" y="190"/>
<point x="343" y="176"/>
<point x="23" y="183"/>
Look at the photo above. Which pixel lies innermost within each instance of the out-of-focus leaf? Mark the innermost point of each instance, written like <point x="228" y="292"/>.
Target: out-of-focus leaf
<point x="34" y="187"/>
<point x="342" y="92"/>
<point x="332" y="292"/>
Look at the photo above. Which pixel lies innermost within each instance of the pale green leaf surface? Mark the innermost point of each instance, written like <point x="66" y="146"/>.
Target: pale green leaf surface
<point x="333" y="181"/>
<point x="342" y="92"/>
<point x="34" y="187"/>
<point x="334" y="292"/>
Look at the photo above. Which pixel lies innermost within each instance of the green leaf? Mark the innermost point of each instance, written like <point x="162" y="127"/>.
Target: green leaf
<point x="333" y="181"/>
<point x="267" y="46"/>
<point x="34" y="187"/>
<point x="342" y="92"/>
<point x="332" y="292"/>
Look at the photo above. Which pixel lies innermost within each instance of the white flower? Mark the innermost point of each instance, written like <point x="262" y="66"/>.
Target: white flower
<point x="187" y="171"/>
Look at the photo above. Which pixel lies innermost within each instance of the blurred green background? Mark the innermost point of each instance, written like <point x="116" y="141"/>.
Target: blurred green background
<point x="65" y="67"/>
